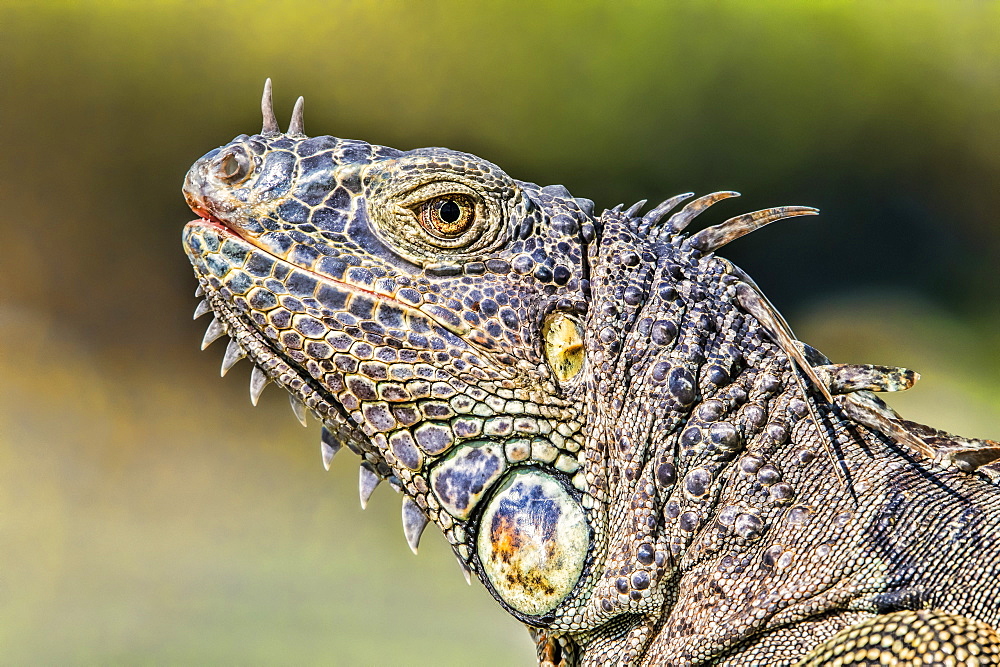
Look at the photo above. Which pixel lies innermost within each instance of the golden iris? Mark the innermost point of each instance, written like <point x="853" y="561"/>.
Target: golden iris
<point x="447" y="216"/>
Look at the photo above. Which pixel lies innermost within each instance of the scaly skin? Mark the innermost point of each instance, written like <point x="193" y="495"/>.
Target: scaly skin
<point x="614" y="430"/>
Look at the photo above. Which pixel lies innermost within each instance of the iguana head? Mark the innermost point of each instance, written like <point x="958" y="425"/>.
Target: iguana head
<point x="428" y="308"/>
<point x="518" y="369"/>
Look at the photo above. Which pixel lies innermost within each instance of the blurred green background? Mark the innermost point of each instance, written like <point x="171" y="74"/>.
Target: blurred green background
<point x="149" y="515"/>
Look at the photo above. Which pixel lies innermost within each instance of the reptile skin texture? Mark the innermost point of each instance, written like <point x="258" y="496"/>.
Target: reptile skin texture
<point x="616" y="432"/>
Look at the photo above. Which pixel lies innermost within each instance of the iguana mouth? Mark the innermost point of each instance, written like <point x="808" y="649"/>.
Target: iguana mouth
<point x="270" y="362"/>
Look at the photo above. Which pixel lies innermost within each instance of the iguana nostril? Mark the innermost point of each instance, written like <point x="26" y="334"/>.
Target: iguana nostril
<point x="233" y="166"/>
<point x="229" y="167"/>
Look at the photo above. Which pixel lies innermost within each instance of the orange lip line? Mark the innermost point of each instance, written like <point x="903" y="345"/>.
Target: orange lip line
<point x="405" y="307"/>
<point x="218" y="226"/>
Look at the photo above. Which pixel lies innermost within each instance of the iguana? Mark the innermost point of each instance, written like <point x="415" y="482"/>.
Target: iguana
<point x="616" y="432"/>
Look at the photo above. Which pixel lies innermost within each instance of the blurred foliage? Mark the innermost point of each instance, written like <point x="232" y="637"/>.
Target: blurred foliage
<point x="158" y="520"/>
<point x="149" y="515"/>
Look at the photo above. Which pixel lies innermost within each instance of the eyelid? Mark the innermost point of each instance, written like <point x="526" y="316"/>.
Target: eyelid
<point x="427" y="191"/>
<point x="398" y="196"/>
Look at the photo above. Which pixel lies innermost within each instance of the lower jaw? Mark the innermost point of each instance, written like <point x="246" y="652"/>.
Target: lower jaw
<point x="256" y="347"/>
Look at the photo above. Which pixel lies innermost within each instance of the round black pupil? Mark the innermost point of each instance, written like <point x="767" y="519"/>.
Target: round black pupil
<point x="449" y="211"/>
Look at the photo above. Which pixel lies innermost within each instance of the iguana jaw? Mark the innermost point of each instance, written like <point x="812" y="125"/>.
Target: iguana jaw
<point x="271" y="362"/>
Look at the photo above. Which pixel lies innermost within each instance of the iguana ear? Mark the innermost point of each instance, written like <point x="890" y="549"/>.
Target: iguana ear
<point x="562" y="336"/>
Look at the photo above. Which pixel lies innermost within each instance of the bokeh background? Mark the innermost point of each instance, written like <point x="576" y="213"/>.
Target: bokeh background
<point x="149" y="515"/>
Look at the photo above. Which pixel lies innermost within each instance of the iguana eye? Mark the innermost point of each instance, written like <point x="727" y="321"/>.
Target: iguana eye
<point x="432" y="211"/>
<point x="448" y="216"/>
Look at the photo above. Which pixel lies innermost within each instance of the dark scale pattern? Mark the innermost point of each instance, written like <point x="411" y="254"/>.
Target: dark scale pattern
<point x="715" y="491"/>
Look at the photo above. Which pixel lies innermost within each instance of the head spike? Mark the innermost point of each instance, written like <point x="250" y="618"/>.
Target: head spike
<point x="203" y="307"/>
<point x="267" y="110"/>
<point x="296" y="126"/>
<point x="414" y="522"/>
<point x="867" y="410"/>
<point x="328" y="446"/>
<point x="466" y="572"/>
<point x="258" y="380"/>
<point x="755" y="303"/>
<point x="682" y="218"/>
<point x="849" y="378"/>
<point x="586" y="205"/>
<point x="635" y="208"/>
<point x="299" y="408"/>
<point x="712" y="238"/>
<point x="657" y="212"/>
<point x="214" y="331"/>
<point x="233" y="354"/>
<point x="368" y="479"/>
